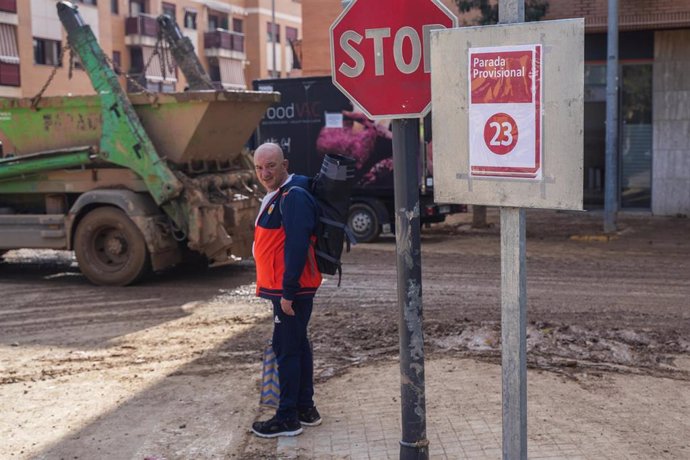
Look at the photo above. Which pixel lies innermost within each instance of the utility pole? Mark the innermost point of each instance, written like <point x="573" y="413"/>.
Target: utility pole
<point x="273" y="33"/>
<point x="611" y="185"/>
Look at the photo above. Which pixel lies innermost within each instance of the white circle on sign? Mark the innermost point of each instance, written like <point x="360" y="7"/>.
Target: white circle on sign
<point x="501" y="133"/>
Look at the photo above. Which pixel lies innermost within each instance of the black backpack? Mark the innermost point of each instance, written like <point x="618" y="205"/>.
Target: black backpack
<point x="331" y="188"/>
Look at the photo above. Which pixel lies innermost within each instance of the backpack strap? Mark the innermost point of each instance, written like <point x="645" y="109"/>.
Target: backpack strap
<point x="313" y="200"/>
<point x="333" y="260"/>
<point x="287" y="190"/>
<point x="350" y="237"/>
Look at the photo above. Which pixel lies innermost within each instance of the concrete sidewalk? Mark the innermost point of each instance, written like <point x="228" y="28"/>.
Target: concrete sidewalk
<point x="604" y="416"/>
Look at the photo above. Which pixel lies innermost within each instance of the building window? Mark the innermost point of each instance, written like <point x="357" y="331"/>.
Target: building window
<point x="9" y="74"/>
<point x="635" y="131"/>
<point x="47" y="52"/>
<point x="117" y="62"/>
<point x="635" y="134"/>
<point x="115" y="6"/>
<point x="136" y="59"/>
<point x="271" y="30"/>
<point x="237" y="25"/>
<point x="169" y="10"/>
<point x="214" y="72"/>
<point x="88" y="2"/>
<point x="137" y="7"/>
<point x="190" y="19"/>
<point x="76" y="62"/>
<point x="217" y="21"/>
<point x="290" y="34"/>
<point x="9" y="6"/>
<point x="9" y="56"/>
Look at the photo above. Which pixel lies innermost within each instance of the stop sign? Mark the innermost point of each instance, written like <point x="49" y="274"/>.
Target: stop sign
<point x="380" y="54"/>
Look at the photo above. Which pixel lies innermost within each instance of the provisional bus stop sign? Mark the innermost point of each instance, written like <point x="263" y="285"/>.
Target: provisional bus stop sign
<point x="508" y="114"/>
<point x="505" y="104"/>
<point x="380" y="54"/>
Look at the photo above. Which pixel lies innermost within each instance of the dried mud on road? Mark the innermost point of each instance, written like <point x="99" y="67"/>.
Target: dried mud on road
<point x="173" y="364"/>
<point x="593" y="304"/>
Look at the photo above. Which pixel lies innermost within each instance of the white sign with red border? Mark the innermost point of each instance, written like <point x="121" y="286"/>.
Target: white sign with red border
<point x="505" y="102"/>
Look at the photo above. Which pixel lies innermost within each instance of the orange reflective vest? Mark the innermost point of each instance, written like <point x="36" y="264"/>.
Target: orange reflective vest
<point x="284" y="244"/>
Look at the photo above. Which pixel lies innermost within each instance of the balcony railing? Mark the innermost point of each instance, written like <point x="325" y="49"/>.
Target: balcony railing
<point x="224" y="39"/>
<point x="9" y="74"/>
<point x="9" y="6"/>
<point x="141" y="25"/>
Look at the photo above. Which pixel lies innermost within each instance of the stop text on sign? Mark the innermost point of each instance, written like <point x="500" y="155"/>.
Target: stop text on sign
<point x="505" y="112"/>
<point x="381" y="37"/>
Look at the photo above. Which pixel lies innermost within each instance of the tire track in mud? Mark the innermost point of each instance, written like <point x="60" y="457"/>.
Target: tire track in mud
<point x="138" y="353"/>
<point x="46" y="300"/>
<point x="57" y="326"/>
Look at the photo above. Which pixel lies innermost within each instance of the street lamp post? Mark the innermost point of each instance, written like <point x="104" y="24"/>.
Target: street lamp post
<point x="273" y="33"/>
<point x="611" y="174"/>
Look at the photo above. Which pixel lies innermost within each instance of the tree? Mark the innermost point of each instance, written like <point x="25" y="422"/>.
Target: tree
<point x="534" y="9"/>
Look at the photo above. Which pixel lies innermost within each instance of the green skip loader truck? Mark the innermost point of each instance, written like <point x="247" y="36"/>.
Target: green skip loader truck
<point x="129" y="182"/>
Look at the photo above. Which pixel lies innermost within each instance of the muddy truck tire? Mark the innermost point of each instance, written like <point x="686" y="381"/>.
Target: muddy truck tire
<point x="110" y="249"/>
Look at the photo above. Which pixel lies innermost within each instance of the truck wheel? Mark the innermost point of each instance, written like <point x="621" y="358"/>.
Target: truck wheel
<point x="110" y="249"/>
<point x="363" y="222"/>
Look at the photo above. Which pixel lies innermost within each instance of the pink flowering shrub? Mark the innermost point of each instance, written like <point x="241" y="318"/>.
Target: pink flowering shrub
<point x="369" y="143"/>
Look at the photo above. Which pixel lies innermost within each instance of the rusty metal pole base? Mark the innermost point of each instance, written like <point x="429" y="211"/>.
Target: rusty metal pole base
<point x="414" y="451"/>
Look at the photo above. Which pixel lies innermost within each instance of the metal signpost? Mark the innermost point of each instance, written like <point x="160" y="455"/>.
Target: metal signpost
<point x="611" y="168"/>
<point x="380" y="60"/>
<point x="513" y="251"/>
<point x="508" y="118"/>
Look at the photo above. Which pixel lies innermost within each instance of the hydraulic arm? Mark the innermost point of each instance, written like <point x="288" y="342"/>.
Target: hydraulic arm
<point x="124" y="141"/>
<point x="183" y="51"/>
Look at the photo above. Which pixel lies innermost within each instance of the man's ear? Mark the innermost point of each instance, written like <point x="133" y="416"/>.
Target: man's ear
<point x="286" y="163"/>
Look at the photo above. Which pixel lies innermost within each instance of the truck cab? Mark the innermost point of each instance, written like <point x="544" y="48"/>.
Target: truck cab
<point x="314" y="118"/>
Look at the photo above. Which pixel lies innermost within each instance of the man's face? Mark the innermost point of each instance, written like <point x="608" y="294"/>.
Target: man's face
<point x="271" y="167"/>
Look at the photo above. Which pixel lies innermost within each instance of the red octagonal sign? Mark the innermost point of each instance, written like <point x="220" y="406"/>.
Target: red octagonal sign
<point x="380" y="54"/>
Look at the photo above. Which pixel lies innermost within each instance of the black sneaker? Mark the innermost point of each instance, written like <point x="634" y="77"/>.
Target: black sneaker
<point x="309" y="417"/>
<point x="273" y="428"/>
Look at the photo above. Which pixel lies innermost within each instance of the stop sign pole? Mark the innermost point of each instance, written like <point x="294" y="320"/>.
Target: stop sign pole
<point x="380" y="60"/>
<point x="414" y="444"/>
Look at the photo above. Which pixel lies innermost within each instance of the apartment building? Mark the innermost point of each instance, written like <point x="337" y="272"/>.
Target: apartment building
<point x="236" y="40"/>
<point x="653" y="102"/>
<point x="654" y="95"/>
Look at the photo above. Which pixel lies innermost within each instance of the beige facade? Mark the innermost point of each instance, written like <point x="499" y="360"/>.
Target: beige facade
<point x="231" y="37"/>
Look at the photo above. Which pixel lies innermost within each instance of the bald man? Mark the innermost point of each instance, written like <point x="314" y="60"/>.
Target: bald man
<point x="286" y="274"/>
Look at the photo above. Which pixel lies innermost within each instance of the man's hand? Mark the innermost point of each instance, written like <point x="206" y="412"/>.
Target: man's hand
<point x="286" y="306"/>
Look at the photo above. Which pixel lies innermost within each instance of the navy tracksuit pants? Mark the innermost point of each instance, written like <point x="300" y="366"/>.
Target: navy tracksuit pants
<point x="294" y="356"/>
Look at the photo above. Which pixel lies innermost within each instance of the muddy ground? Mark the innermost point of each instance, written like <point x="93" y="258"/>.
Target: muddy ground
<point x="171" y="365"/>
